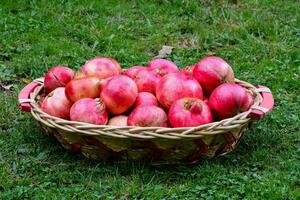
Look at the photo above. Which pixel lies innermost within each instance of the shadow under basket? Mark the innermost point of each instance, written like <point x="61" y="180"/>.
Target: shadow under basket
<point x="156" y="145"/>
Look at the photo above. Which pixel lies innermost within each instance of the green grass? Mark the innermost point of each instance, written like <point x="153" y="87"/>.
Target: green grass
<point x="261" y="40"/>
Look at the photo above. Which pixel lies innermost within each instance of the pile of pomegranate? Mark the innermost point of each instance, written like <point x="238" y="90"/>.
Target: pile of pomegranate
<point x="158" y="95"/>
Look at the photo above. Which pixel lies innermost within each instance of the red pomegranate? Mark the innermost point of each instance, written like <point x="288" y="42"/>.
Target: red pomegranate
<point x="131" y="72"/>
<point x="188" y="112"/>
<point x="146" y="99"/>
<point x="85" y="87"/>
<point x="188" y="70"/>
<point x="57" y="104"/>
<point x="148" y="116"/>
<point x="119" y="94"/>
<point x="90" y="111"/>
<point x="120" y="120"/>
<point x="211" y="72"/>
<point x="177" y="86"/>
<point x="104" y="81"/>
<point x="229" y="99"/>
<point x="162" y="66"/>
<point x="57" y="76"/>
<point x="146" y="81"/>
<point x="101" y="67"/>
<point x="205" y="99"/>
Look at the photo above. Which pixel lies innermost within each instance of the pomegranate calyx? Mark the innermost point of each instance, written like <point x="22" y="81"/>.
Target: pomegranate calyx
<point x="196" y="107"/>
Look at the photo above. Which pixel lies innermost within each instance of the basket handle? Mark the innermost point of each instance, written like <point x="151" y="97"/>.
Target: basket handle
<point x="266" y="106"/>
<point x="24" y="95"/>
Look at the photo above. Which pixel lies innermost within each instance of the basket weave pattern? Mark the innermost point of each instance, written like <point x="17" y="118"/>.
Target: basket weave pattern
<point x="154" y="144"/>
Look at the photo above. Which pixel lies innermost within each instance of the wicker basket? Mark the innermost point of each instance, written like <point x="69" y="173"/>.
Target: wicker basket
<point x="154" y="144"/>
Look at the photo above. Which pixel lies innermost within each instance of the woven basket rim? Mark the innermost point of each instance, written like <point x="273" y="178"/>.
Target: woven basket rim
<point x="144" y="133"/>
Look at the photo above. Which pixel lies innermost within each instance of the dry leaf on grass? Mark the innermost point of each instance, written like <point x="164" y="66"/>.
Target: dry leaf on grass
<point x="166" y="50"/>
<point x="211" y="53"/>
<point x="25" y="80"/>
<point x="6" y="87"/>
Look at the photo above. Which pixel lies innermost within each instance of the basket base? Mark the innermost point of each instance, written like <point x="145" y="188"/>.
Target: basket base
<point x="156" y="152"/>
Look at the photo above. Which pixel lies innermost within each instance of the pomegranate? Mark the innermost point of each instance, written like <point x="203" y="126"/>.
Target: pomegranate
<point x="120" y="120"/>
<point x="148" y="116"/>
<point x="119" y="94"/>
<point x="84" y="87"/>
<point x="131" y="72"/>
<point x="229" y="99"/>
<point x="57" y="76"/>
<point x="189" y="112"/>
<point x="103" y="82"/>
<point x="177" y="86"/>
<point x="146" y="99"/>
<point x="211" y="72"/>
<point x="162" y="66"/>
<point x="146" y="81"/>
<point x="57" y="104"/>
<point x="90" y="111"/>
<point x="188" y="70"/>
<point x="101" y="67"/>
<point x="205" y="99"/>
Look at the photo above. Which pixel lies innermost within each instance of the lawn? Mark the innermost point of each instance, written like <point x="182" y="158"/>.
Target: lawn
<point x="261" y="40"/>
